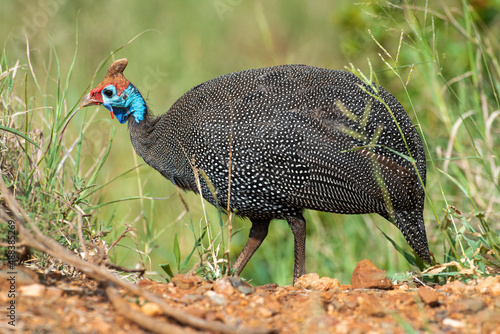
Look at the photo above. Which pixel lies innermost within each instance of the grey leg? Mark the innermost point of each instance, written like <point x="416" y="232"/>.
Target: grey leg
<point x="258" y="233"/>
<point x="298" y="226"/>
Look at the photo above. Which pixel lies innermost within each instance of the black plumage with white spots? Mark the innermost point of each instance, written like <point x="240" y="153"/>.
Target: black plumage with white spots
<point x="297" y="137"/>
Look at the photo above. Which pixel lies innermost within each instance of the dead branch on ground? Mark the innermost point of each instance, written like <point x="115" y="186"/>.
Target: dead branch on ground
<point x="37" y="240"/>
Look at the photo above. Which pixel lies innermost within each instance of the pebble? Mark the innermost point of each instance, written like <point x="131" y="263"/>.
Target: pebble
<point x="453" y="323"/>
<point x="32" y="290"/>
<point x="429" y="296"/>
<point x="495" y="290"/>
<point x="367" y="276"/>
<point x="312" y="281"/>
<point x="151" y="309"/>
<point x="305" y="281"/>
<point x="186" y="281"/>
<point x="241" y="285"/>
<point x="190" y="298"/>
<point x="264" y="312"/>
<point x="468" y="306"/>
<point x="490" y="285"/>
<point x="216" y="298"/>
<point x="454" y="287"/>
<point x="223" y="286"/>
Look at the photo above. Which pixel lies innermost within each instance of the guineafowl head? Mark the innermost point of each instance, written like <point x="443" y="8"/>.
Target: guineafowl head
<point x="118" y="95"/>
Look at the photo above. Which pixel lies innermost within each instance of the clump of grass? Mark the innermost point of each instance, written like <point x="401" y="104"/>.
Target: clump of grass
<point x="42" y="167"/>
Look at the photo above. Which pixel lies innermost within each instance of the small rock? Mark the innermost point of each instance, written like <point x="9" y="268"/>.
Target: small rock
<point x="186" y="281"/>
<point x="241" y="285"/>
<point x="453" y="323"/>
<point x="264" y="312"/>
<point x="428" y="296"/>
<point x="224" y="286"/>
<point x="495" y="290"/>
<point x="190" y="298"/>
<point x="151" y="309"/>
<point x="314" y="282"/>
<point x="468" y="306"/>
<point x="246" y="290"/>
<point x="367" y="276"/>
<point x="325" y="283"/>
<point x="204" y="287"/>
<point x="454" y="287"/>
<point x="217" y="298"/>
<point x="305" y="281"/>
<point x="32" y="290"/>
<point x="476" y="305"/>
<point x="486" y="285"/>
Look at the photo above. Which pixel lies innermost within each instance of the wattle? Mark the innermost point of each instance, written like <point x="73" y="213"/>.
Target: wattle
<point x="121" y="114"/>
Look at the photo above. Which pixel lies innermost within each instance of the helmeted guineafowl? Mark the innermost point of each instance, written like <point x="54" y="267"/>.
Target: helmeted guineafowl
<point x="294" y="137"/>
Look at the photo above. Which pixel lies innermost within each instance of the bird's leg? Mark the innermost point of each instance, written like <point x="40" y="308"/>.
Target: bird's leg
<point x="258" y="233"/>
<point x="298" y="226"/>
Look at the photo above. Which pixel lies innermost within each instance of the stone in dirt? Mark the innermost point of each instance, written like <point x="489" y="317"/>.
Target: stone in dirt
<point x="151" y="309"/>
<point x="314" y="282"/>
<point x="367" y="276"/>
<point x="468" y="305"/>
<point x="428" y="296"/>
<point x="186" y="281"/>
<point x="223" y="286"/>
<point x="489" y="285"/>
<point x="455" y="287"/>
<point x="32" y="290"/>
<point x="241" y="285"/>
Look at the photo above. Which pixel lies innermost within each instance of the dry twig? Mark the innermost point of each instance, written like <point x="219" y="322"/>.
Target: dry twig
<point x="37" y="240"/>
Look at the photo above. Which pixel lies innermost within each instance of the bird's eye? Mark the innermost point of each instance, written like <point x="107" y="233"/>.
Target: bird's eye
<point x="108" y="92"/>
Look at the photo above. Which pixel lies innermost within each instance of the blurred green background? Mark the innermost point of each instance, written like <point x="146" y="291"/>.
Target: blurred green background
<point x="179" y="44"/>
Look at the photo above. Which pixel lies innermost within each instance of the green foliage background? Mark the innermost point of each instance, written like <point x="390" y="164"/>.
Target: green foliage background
<point x="444" y="71"/>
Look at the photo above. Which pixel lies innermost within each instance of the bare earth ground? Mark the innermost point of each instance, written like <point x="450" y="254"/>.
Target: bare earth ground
<point x="53" y="303"/>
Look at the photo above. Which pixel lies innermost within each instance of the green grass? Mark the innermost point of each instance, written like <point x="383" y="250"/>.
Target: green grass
<point x="439" y="61"/>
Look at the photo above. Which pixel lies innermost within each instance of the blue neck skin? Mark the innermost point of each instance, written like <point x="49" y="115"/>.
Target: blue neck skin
<point x="130" y="102"/>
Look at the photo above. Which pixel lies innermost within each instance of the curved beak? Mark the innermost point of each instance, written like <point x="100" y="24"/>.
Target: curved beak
<point x="88" y="101"/>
